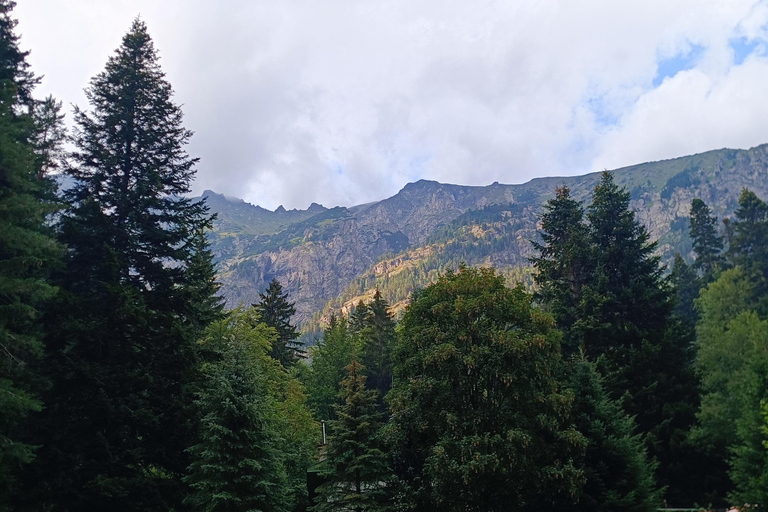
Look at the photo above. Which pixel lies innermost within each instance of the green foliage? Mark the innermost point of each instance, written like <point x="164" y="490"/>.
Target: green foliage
<point x="137" y="291"/>
<point x="733" y="361"/>
<point x="749" y="247"/>
<point x="564" y="264"/>
<point x="276" y="311"/>
<point x="685" y="283"/>
<point x="330" y="357"/>
<point x="377" y="340"/>
<point x="604" y="285"/>
<point x="356" y="470"/>
<point x="478" y="418"/>
<point x="707" y="243"/>
<point x="237" y="463"/>
<point x="301" y="435"/>
<point x="618" y="472"/>
<point x="27" y="253"/>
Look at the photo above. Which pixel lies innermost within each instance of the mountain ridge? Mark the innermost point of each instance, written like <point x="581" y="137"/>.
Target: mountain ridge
<point x="317" y="253"/>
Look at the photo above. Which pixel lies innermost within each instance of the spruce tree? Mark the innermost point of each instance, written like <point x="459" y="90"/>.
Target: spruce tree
<point x="136" y="292"/>
<point x="619" y="475"/>
<point x="355" y="468"/>
<point x="707" y="243"/>
<point x="377" y="340"/>
<point x="622" y="318"/>
<point x="330" y="357"/>
<point x="276" y="311"/>
<point x="749" y="248"/>
<point x="236" y="463"/>
<point x="685" y="284"/>
<point x="564" y="264"/>
<point x="26" y="254"/>
<point x="629" y="301"/>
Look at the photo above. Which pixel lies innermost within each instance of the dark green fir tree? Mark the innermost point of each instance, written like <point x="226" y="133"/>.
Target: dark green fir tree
<point x="564" y="265"/>
<point x="136" y="293"/>
<point x="377" y="339"/>
<point x="26" y="254"/>
<point x="619" y="474"/>
<point x="237" y="465"/>
<point x="277" y="311"/>
<point x="707" y="242"/>
<point x="686" y="284"/>
<point x="357" y="474"/>
<point x="330" y="357"/>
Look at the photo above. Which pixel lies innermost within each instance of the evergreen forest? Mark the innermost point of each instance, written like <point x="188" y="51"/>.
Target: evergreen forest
<point x="598" y="380"/>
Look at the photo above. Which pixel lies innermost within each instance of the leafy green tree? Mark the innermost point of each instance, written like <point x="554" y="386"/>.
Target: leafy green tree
<point x="479" y="421"/>
<point x="707" y="243"/>
<point x="276" y="311"/>
<point x="564" y="264"/>
<point x="27" y="253"/>
<point x="619" y="475"/>
<point x="237" y="463"/>
<point x="356" y="470"/>
<point x="330" y="357"/>
<point x="733" y="361"/>
<point x="377" y="340"/>
<point x="136" y="292"/>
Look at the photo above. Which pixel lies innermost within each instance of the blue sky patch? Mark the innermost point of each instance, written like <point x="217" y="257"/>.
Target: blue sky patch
<point x="680" y="62"/>
<point x="743" y="48"/>
<point x="604" y="115"/>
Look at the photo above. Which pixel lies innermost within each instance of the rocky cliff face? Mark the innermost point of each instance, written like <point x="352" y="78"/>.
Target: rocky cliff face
<point x="319" y="253"/>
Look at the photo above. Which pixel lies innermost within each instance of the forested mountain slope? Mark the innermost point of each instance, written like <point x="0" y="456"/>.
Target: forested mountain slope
<point x="402" y="242"/>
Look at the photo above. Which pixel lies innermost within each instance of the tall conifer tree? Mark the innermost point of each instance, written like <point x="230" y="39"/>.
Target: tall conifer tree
<point x="236" y="462"/>
<point x="707" y="243"/>
<point x="277" y="311"/>
<point x="136" y="293"/>
<point x="377" y="342"/>
<point x="356" y="469"/>
<point x="26" y="252"/>
<point x="564" y="265"/>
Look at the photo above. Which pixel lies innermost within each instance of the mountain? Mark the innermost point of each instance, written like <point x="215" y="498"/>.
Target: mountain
<point x="328" y="258"/>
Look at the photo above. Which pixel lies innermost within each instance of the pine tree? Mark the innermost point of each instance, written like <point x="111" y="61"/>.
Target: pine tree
<point x="707" y="243"/>
<point x="619" y="475"/>
<point x="136" y="292"/>
<point x="276" y="311"/>
<point x="622" y="318"/>
<point x="629" y="301"/>
<point x="749" y="247"/>
<point x="330" y="357"/>
<point x="26" y="254"/>
<point x="564" y="265"/>
<point x="356" y="470"/>
<point x="237" y="464"/>
<point x="686" y="285"/>
<point x="377" y="340"/>
<point x="358" y="317"/>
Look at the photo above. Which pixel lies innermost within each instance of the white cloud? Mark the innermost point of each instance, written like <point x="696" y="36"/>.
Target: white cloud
<point x="343" y="102"/>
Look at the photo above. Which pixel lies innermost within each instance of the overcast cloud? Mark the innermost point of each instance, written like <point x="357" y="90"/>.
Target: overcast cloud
<point x="344" y="102"/>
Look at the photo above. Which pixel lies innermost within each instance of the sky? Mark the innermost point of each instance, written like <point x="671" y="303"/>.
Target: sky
<point x="344" y="102"/>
